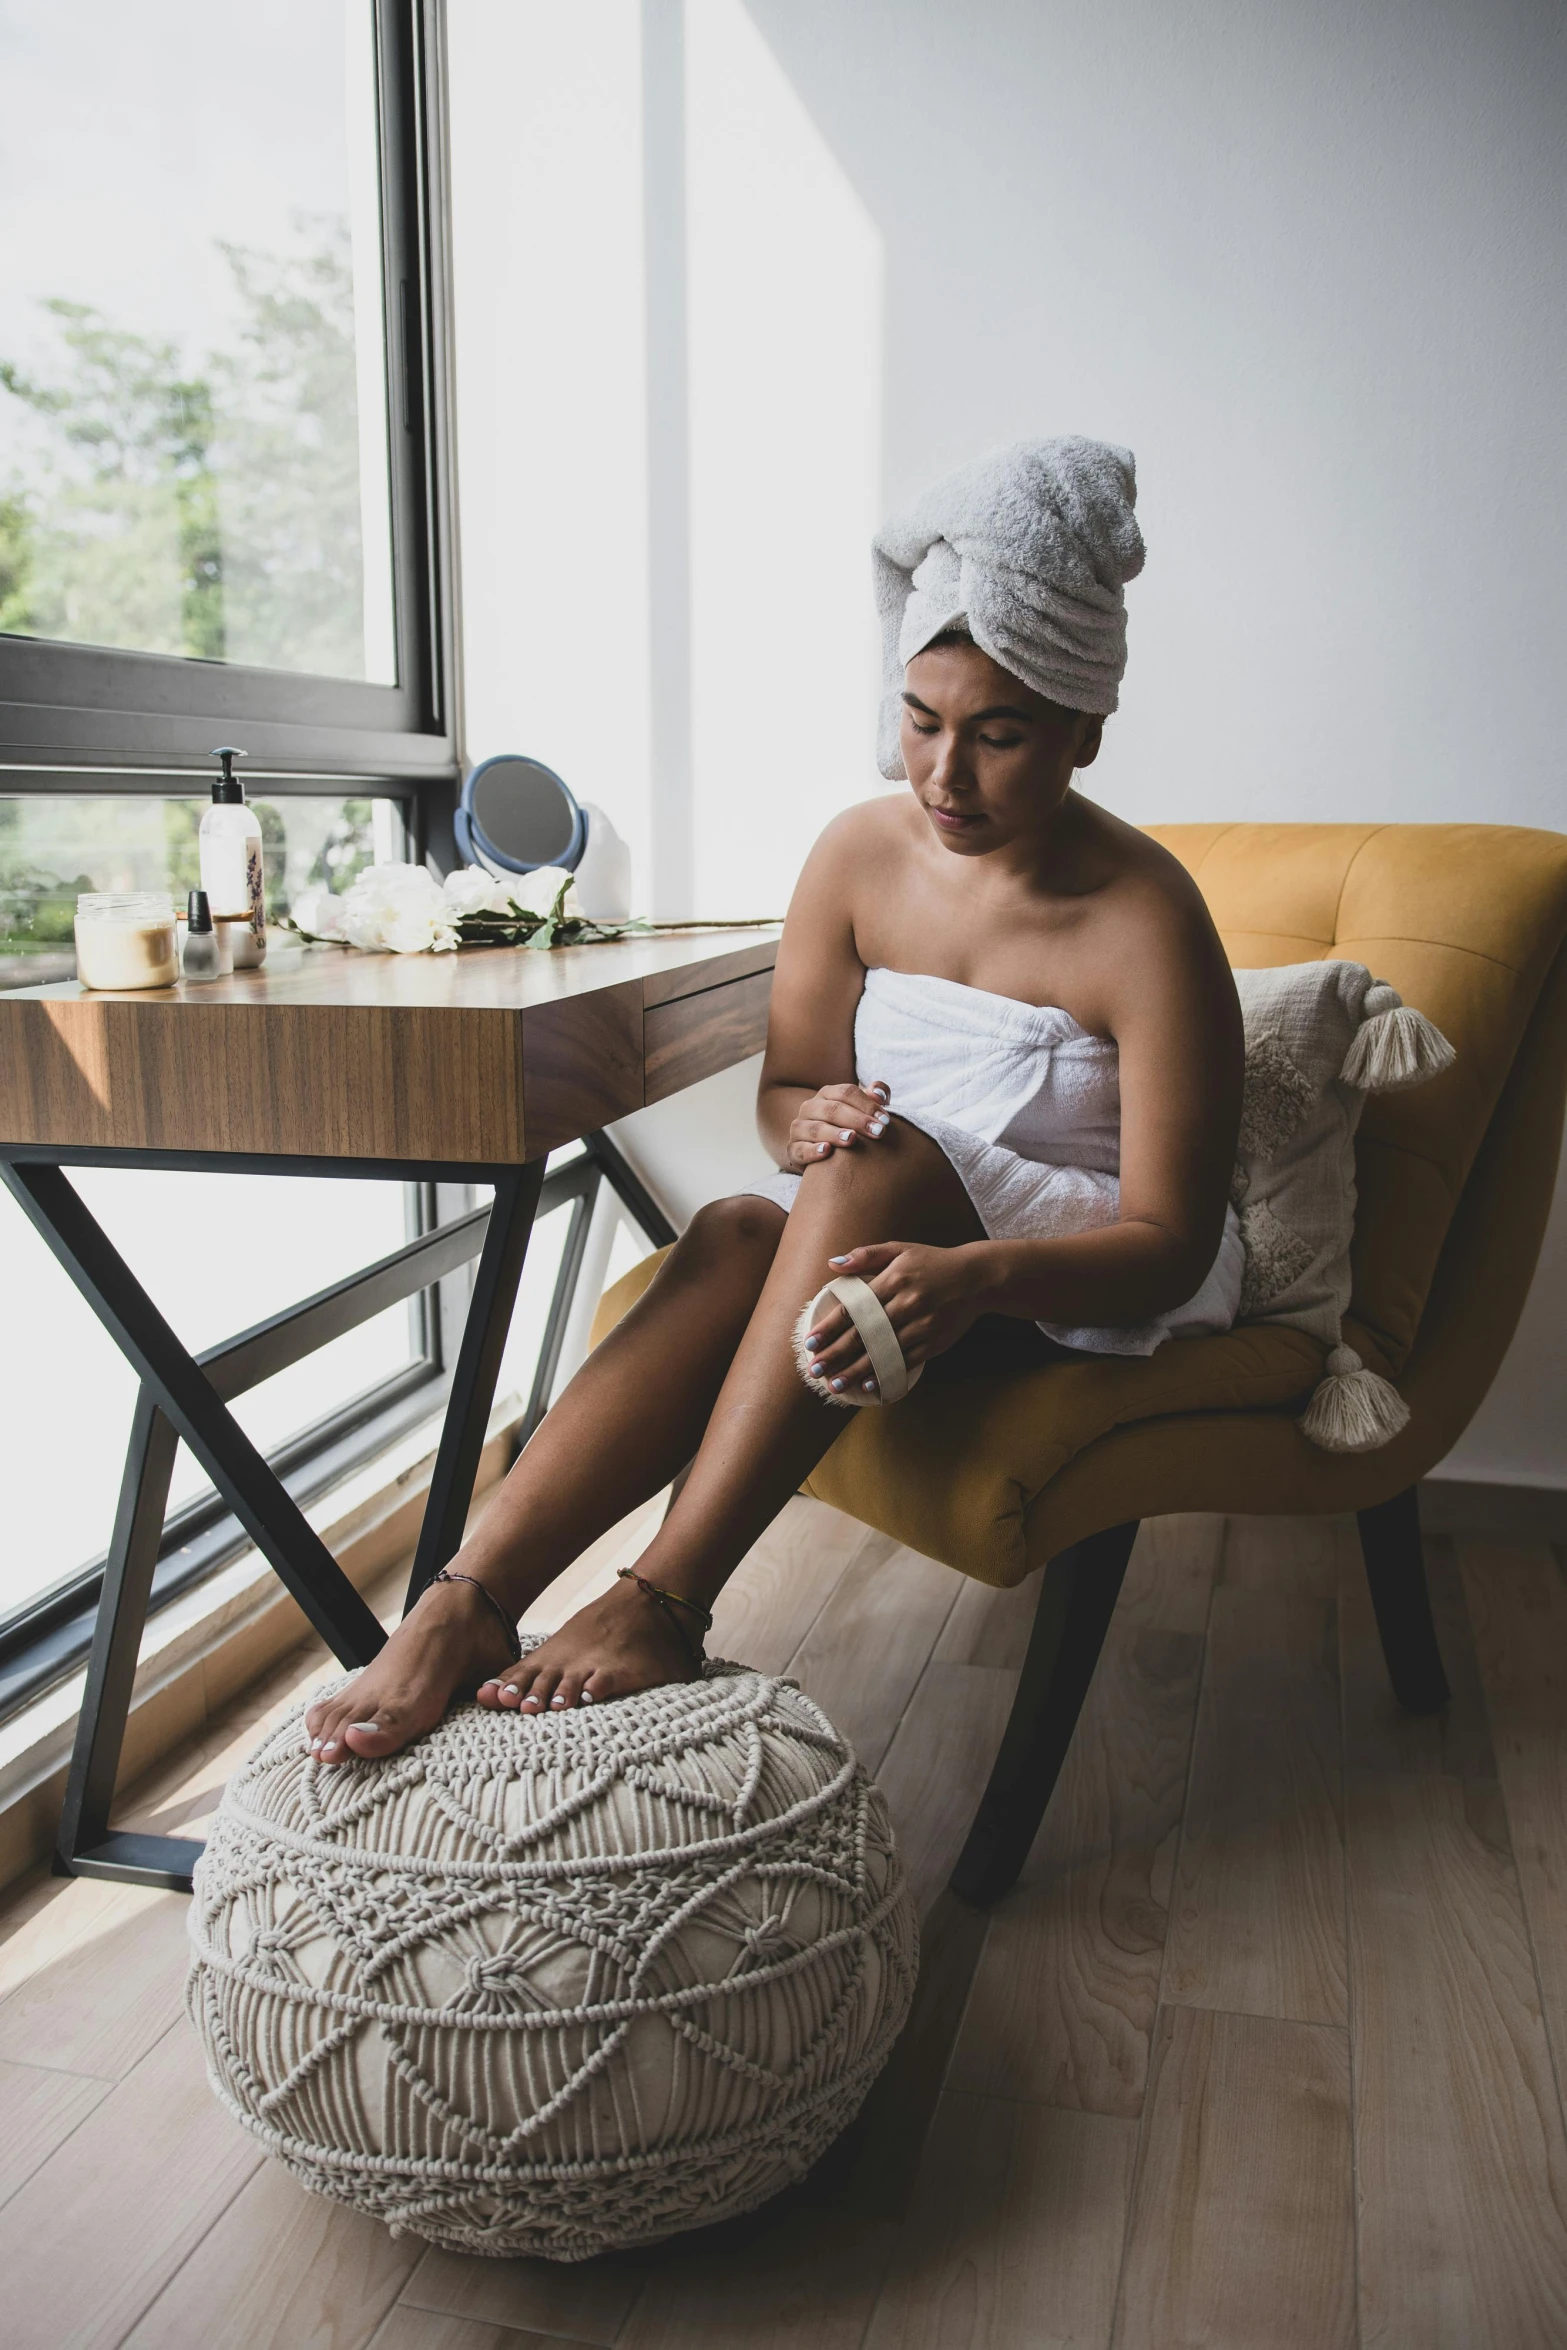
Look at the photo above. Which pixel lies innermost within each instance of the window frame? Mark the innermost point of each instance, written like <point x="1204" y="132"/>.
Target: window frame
<point x="85" y="718"/>
<point x="99" y="721"/>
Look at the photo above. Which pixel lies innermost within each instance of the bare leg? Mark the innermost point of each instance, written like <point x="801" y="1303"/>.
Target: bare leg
<point x="632" y="1417"/>
<point x="766" y="1430"/>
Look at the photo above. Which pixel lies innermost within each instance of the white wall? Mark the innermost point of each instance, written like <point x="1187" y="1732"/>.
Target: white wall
<point x="1308" y="263"/>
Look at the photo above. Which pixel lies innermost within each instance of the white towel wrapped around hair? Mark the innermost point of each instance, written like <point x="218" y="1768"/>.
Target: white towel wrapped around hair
<point x="1030" y="548"/>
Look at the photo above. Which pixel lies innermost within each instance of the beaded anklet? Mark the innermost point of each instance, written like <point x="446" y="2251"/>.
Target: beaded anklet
<point x="445" y="1575"/>
<point x="667" y="1601"/>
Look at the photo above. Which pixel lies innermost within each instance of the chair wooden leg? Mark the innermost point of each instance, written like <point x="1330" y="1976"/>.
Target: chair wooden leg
<point x="1396" y="1571"/>
<point x="1075" y="1606"/>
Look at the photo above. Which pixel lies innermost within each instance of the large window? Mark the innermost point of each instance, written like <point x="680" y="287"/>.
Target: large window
<point x="195" y="429"/>
<point x="55" y="844"/>
<point x="223" y="491"/>
<point x="221" y="486"/>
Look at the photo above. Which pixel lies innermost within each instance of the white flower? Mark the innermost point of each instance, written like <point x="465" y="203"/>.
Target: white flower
<point x="536" y="892"/>
<point x="318" y="912"/>
<point x="399" y="910"/>
<point x="470" y="890"/>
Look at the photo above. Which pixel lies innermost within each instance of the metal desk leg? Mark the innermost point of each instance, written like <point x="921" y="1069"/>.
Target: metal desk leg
<point x="85" y="1845"/>
<point x="183" y="1392"/>
<point x="478" y="1367"/>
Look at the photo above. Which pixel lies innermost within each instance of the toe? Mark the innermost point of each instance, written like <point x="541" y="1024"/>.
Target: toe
<point x="380" y="1733"/>
<point x="488" y="1694"/>
<point x="569" y="1690"/>
<point x="541" y="1691"/>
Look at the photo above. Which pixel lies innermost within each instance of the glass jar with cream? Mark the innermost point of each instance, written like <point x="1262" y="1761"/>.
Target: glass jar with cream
<point x="126" y="938"/>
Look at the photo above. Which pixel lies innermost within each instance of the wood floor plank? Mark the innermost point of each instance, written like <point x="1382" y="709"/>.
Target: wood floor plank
<point x="789" y="2278"/>
<point x="99" y="2229"/>
<point x="1171" y="1572"/>
<point x="43" y="1918"/>
<point x="866" y="1651"/>
<point x="106" y="1999"/>
<point x="1242" y="2231"/>
<point x="1460" y="2150"/>
<point x="181" y="1795"/>
<point x="989" y="1627"/>
<point x="280" y="2268"/>
<point x="1063" y="2003"/>
<point x="1378" y="1734"/>
<point x="1298" y="1557"/>
<point x="870" y="2172"/>
<point x="1013" y="2240"/>
<point x="1518" y="1604"/>
<point x="1257" y="1921"/>
<point x="770" y="1603"/>
<point x="38" y="2112"/>
<point x="583" y="2301"/>
<point x="419" y="2329"/>
<point x="937" y="1765"/>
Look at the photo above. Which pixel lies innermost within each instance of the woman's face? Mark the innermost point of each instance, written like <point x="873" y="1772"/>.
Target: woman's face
<point x="989" y="760"/>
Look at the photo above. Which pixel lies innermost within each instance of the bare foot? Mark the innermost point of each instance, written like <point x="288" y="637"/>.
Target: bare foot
<point x="450" y="1641"/>
<point x="617" y="1644"/>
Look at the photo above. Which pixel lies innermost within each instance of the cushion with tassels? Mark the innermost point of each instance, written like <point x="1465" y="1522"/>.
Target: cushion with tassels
<point x="1319" y="1038"/>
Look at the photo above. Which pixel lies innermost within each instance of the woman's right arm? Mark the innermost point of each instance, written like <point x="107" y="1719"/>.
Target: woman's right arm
<point x="808" y="1103"/>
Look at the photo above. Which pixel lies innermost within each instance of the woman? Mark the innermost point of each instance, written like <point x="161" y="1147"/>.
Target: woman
<point x="1002" y="1079"/>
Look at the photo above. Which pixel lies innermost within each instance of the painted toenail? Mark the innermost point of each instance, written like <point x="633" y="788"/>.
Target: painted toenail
<point x="836" y="1385"/>
<point x="364" y="1725"/>
<point x="315" y="1746"/>
<point x="555" y="1701"/>
<point x="586" y="1698"/>
<point x="330" y="1746"/>
<point x="508" y="1689"/>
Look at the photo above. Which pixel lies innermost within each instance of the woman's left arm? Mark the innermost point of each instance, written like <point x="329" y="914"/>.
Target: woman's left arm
<point x="1171" y="1005"/>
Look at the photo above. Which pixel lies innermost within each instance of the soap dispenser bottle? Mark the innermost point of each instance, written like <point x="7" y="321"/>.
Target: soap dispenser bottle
<point x="231" y="871"/>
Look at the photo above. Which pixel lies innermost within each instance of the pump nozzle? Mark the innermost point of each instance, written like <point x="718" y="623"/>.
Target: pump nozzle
<point x="227" y="786"/>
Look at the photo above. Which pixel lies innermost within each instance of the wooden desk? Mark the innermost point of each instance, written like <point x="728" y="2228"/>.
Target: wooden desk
<point x="464" y="1068"/>
<point x="486" y="1057"/>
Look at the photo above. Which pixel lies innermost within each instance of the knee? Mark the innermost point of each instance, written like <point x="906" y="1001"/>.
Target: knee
<point x="904" y="1160"/>
<point x="729" y="1230"/>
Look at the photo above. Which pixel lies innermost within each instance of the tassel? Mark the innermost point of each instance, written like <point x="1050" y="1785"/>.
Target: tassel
<point x="1394" y="1046"/>
<point x="1353" y="1410"/>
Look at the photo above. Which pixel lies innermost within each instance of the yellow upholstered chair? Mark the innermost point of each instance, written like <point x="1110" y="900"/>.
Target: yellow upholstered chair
<point x="1058" y="1463"/>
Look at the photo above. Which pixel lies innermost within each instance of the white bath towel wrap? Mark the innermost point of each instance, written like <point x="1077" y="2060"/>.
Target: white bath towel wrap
<point x="1027" y="1107"/>
<point x="1031" y="548"/>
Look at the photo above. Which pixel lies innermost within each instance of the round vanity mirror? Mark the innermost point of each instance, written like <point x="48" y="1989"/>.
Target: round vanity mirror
<point x="518" y="814"/>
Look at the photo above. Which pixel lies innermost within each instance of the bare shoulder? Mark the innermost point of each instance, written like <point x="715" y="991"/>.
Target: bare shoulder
<point x="1159" y="919"/>
<point x="851" y="853"/>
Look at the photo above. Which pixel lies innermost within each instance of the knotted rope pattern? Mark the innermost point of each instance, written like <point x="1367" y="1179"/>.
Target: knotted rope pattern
<point x="562" y="1984"/>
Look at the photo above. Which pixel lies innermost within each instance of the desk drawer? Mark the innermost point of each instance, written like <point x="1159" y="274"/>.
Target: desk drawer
<point x="697" y="1035"/>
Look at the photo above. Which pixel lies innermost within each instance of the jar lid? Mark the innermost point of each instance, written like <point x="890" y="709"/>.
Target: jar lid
<point x="125" y="905"/>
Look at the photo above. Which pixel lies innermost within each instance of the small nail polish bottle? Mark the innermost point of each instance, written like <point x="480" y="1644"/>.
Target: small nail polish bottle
<point x="201" y="959"/>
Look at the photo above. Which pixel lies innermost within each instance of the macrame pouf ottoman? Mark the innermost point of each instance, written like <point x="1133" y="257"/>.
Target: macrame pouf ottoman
<point x="560" y="1984"/>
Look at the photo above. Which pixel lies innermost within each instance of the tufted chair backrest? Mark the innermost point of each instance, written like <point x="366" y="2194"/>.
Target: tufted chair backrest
<point x="1465" y="920"/>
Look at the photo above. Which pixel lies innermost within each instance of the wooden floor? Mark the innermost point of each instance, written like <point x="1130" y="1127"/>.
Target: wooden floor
<point x="1264" y="2051"/>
